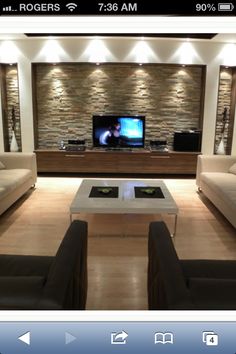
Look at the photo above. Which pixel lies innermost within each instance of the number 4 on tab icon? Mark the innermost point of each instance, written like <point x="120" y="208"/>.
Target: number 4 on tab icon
<point x="210" y="338"/>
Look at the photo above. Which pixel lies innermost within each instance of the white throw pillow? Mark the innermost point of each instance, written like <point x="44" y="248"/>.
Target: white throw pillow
<point x="2" y="166"/>
<point x="233" y="169"/>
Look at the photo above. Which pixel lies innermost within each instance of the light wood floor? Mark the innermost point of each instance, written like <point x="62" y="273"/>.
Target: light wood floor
<point x="117" y="265"/>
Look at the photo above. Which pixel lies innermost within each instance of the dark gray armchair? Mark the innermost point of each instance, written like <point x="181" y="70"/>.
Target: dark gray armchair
<point x="39" y="282"/>
<point x="175" y="284"/>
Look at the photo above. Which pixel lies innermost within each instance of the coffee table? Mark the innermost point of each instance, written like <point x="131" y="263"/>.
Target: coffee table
<point x="125" y="202"/>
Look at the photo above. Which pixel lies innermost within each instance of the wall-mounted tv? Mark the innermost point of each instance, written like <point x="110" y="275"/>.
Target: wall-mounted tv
<point x="119" y="131"/>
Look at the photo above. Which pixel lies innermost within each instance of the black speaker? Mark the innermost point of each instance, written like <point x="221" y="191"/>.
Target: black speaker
<point x="76" y="142"/>
<point x="188" y="141"/>
<point x="158" y="145"/>
<point x="76" y="145"/>
<point x="155" y="143"/>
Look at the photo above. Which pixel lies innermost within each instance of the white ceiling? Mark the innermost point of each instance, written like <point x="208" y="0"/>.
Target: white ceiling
<point x="220" y="38"/>
<point x="225" y="38"/>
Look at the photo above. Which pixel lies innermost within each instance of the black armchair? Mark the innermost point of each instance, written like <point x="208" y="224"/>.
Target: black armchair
<point x="47" y="283"/>
<point x="175" y="284"/>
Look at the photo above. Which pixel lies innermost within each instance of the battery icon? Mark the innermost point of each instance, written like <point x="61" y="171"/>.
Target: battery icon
<point x="225" y="6"/>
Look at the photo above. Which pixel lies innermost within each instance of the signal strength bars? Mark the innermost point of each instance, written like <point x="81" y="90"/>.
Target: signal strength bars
<point x="8" y="9"/>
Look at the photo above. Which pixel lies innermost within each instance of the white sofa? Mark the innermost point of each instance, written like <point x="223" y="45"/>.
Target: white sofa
<point x="18" y="173"/>
<point x="216" y="178"/>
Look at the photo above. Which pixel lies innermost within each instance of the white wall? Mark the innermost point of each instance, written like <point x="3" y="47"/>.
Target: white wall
<point x="1" y="128"/>
<point x="233" y="150"/>
<point x="25" y="52"/>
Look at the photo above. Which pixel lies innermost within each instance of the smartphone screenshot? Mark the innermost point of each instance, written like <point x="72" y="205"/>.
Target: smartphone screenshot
<point x="117" y="177"/>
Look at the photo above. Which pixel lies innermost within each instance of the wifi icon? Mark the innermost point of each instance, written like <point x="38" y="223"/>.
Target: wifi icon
<point x="71" y="6"/>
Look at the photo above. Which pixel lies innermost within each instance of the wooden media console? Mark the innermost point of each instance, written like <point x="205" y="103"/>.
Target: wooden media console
<point x="117" y="162"/>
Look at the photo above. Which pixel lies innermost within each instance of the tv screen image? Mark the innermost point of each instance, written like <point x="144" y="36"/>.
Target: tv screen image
<point x="118" y="131"/>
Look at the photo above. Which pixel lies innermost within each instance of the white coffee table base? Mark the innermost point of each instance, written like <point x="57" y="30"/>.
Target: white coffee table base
<point x="125" y="203"/>
<point x="174" y="228"/>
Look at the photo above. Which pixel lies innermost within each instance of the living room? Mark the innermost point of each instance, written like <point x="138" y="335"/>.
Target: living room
<point x="52" y="87"/>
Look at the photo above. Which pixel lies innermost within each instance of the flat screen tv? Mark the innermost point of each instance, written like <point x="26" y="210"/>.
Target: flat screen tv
<point x="119" y="131"/>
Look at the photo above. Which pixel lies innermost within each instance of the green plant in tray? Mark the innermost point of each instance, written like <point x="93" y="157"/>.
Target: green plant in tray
<point x="148" y="190"/>
<point x="105" y="190"/>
